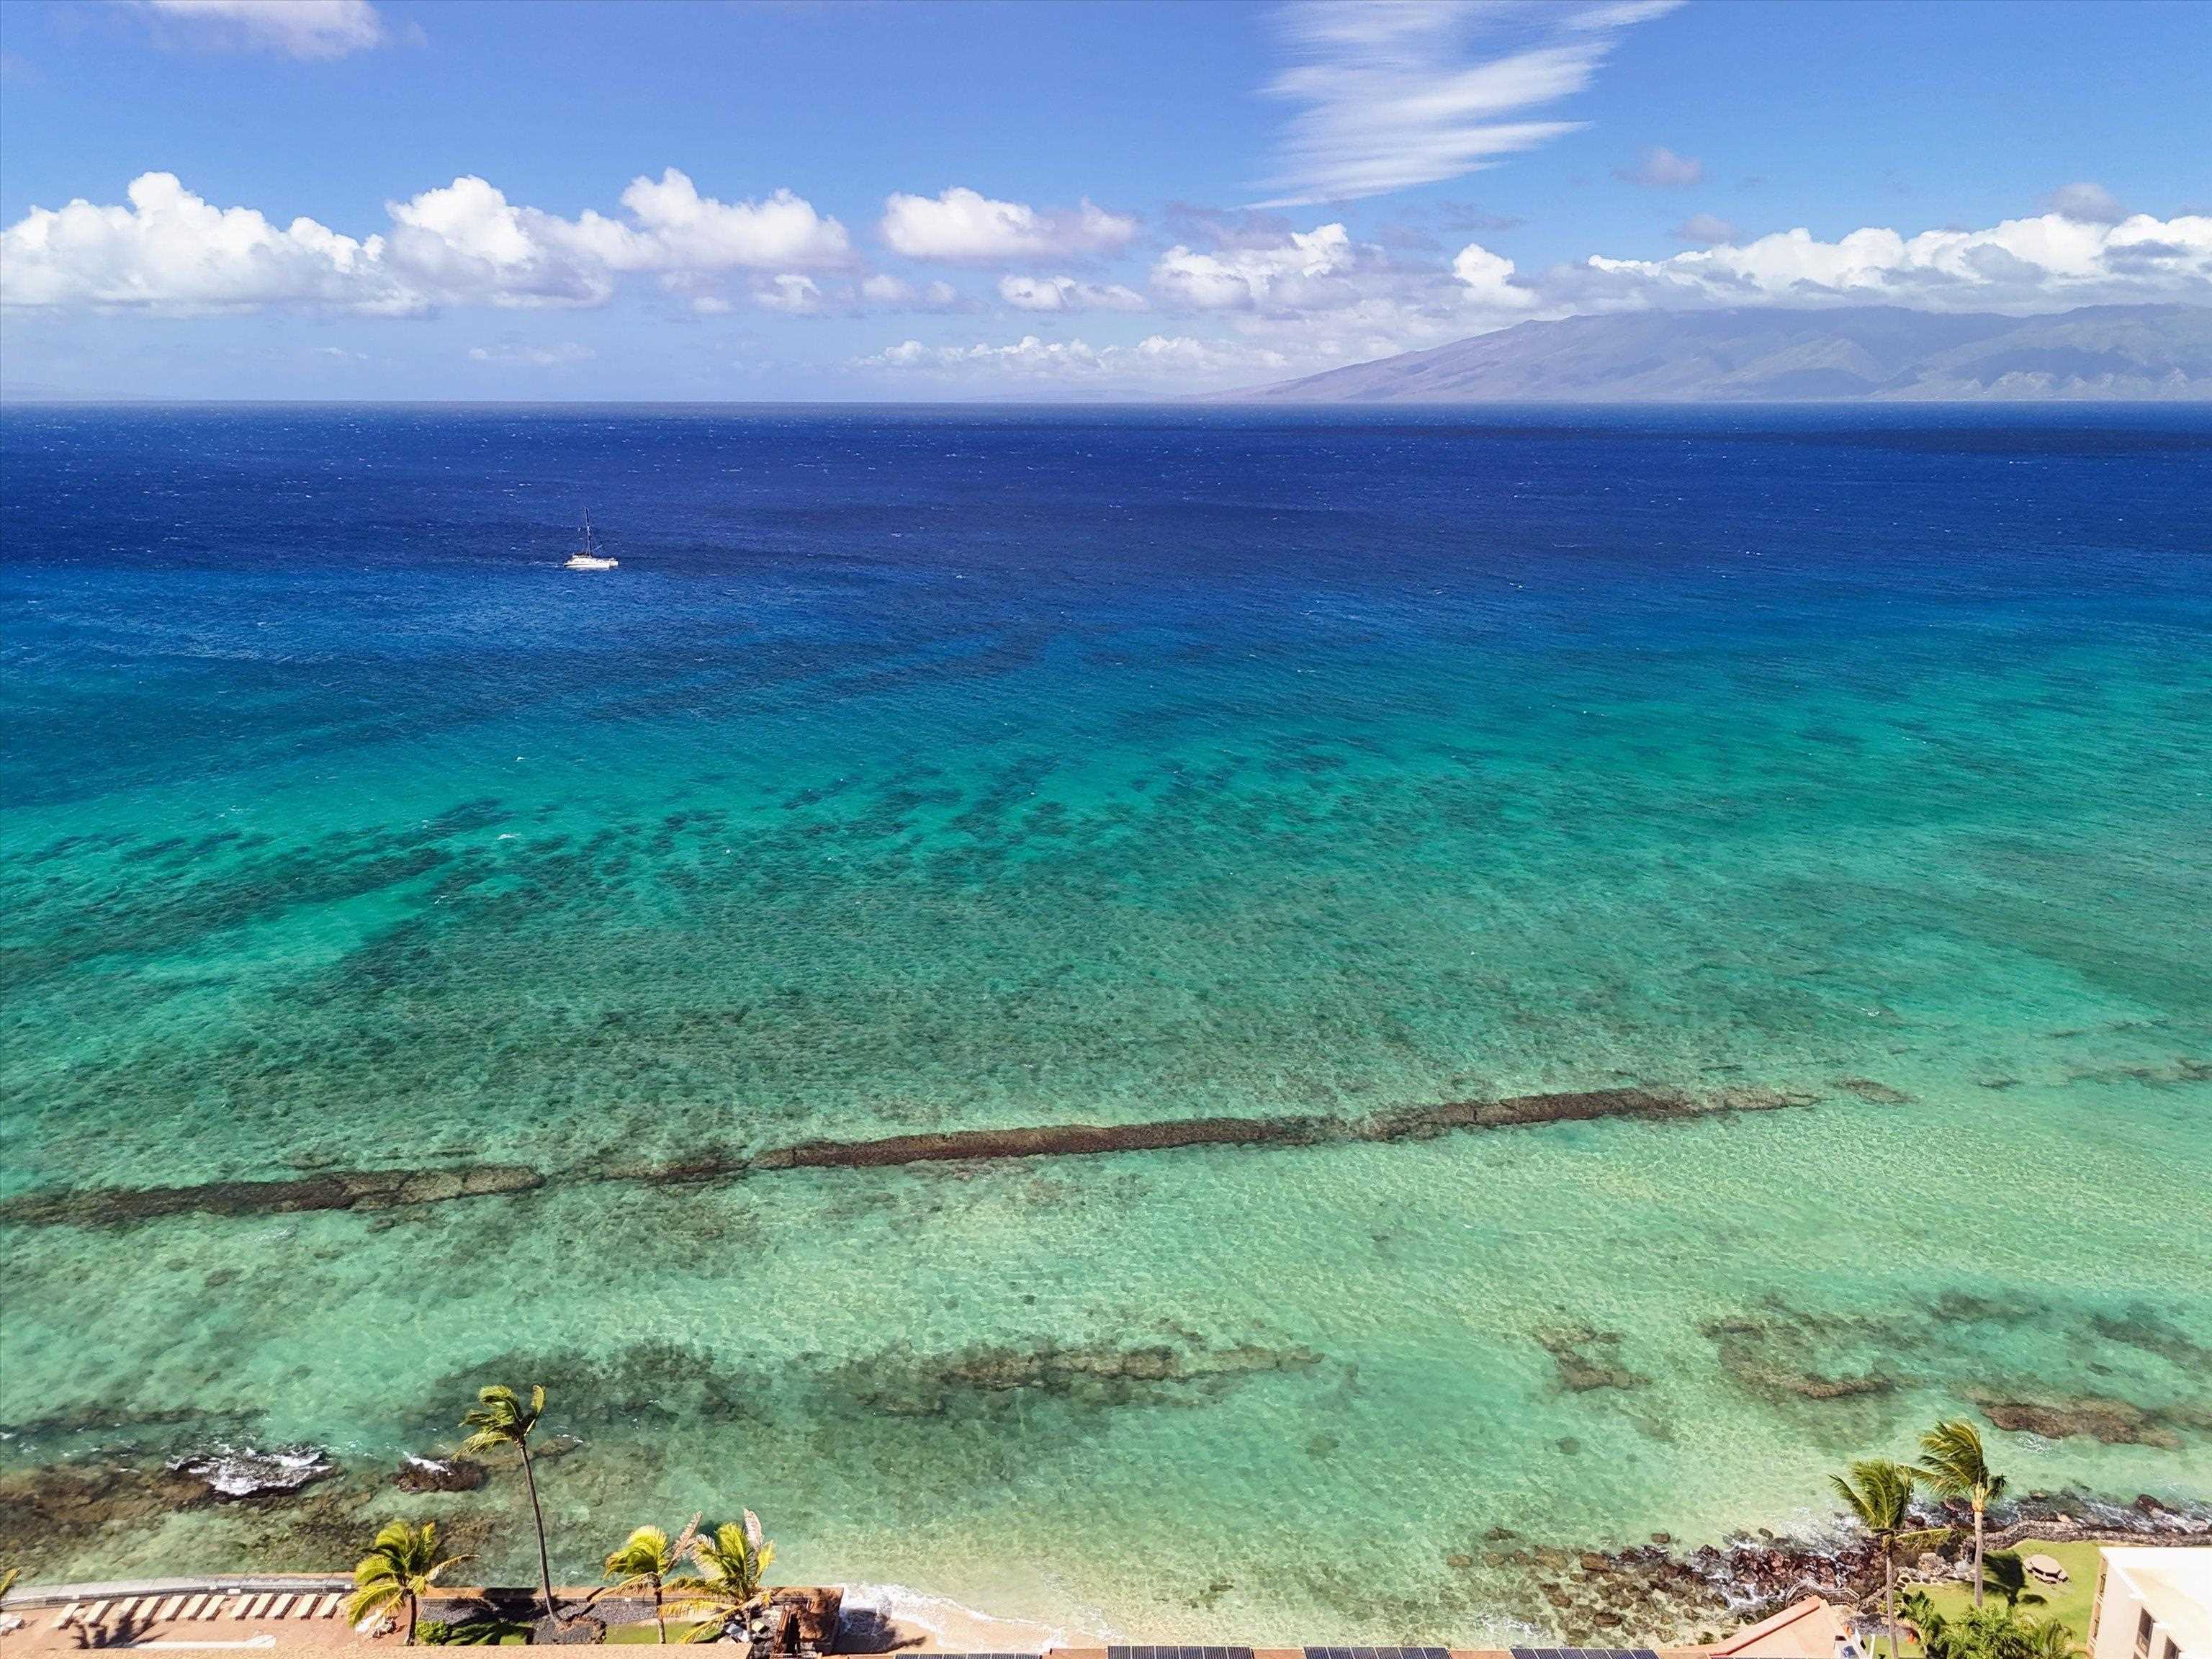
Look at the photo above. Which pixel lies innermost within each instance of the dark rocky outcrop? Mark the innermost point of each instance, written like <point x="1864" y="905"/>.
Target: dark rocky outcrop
<point x="1403" y="1123"/>
<point x="233" y="1472"/>
<point x="386" y="1190"/>
<point x="348" y="1190"/>
<point x="419" y="1474"/>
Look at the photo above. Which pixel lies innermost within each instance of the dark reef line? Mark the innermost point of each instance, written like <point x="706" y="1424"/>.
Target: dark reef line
<point x="383" y="1189"/>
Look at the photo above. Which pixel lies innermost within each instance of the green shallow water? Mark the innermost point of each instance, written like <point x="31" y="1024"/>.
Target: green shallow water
<point x="523" y="874"/>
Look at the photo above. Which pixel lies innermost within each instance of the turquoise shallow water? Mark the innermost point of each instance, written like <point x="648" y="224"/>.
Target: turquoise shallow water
<point x="946" y="771"/>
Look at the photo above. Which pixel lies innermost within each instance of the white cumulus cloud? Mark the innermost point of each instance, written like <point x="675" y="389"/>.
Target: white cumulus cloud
<point x="964" y="224"/>
<point x="791" y="294"/>
<point x="1399" y="92"/>
<point x="1253" y="273"/>
<point x="679" y="229"/>
<point x="1489" y="279"/>
<point x="896" y="294"/>
<point x="301" y="28"/>
<point x="464" y="243"/>
<point x="2047" y="263"/>
<point x="1066" y="294"/>
<point x="169" y="250"/>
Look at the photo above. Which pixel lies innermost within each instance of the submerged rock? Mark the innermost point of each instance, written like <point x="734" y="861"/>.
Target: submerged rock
<point x="2114" y="1422"/>
<point x="243" y="1471"/>
<point x="439" y="1474"/>
<point x="1588" y="1359"/>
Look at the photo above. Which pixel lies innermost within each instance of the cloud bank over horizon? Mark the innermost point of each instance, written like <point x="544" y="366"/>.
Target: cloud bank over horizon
<point x="1261" y="292"/>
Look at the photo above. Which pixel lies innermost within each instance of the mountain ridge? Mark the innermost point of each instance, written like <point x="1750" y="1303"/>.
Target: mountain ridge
<point x="1856" y="354"/>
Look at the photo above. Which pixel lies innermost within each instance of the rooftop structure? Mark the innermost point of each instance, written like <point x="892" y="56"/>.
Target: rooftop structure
<point x="2152" y="1604"/>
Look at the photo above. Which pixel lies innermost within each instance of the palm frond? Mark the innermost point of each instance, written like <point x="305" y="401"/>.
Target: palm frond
<point x="1878" y="1493"/>
<point x="2049" y="1639"/>
<point x="404" y="1561"/>
<point x="1954" y="1465"/>
<point x="372" y="1598"/>
<point x="499" y="1418"/>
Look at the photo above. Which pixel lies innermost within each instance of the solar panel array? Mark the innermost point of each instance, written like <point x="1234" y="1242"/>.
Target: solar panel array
<point x="1378" y="1653"/>
<point x="1178" y="1653"/>
<point x="1584" y="1653"/>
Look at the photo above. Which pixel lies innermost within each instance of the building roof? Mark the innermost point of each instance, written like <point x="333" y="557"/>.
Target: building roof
<point x="2174" y="1584"/>
<point x="1803" y="1629"/>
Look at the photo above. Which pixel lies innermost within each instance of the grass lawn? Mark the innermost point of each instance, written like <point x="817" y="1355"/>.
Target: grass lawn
<point x="649" y="1633"/>
<point x="2068" y="1602"/>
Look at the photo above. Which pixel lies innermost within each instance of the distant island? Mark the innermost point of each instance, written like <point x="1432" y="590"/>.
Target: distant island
<point x="1872" y="353"/>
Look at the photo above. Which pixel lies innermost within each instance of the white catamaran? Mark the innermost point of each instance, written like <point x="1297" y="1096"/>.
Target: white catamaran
<point x="588" y="557"/>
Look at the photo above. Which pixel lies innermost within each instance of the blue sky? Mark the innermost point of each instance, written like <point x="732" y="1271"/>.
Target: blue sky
<point x="406" y="198"/>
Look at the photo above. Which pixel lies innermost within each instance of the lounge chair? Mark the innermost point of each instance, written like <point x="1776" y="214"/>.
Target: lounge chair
<point x="68" y="1614"/>
<point x="330" y="1604"/>
<point x="280" y="1607"/>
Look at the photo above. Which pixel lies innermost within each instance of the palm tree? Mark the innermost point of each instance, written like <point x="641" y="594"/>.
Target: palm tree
<point x="645" y="1561"/>
<point x="1952" y="1464"/>
<point x="502" y="1419"/>
<point x="733" y="1559"/>
<point x="1880" y="1493"/>
<point x="1987" y="1633"/>
<point x="401" y="1566"/>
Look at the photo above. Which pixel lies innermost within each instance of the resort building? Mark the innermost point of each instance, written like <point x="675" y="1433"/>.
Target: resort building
<point x="2152" y="1604"/>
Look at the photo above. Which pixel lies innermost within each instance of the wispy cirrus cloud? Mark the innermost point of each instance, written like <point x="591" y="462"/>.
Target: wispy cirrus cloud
<point x="1400" y="93"/>
<point x="1170" y="359"/>
<point x="298" y="28"/>
<point x="514" y="354"/>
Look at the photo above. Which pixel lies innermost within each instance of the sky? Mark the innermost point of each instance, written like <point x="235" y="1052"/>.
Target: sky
<point x="891" y="199"/>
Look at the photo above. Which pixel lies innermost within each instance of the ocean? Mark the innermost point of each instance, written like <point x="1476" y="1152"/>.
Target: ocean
<point x="922" y="771"/>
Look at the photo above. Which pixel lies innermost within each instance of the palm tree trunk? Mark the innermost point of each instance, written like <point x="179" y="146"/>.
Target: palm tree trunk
<point x="544" y="1566"/>
<point x="1889" y="1592"/>
<point x="409" y="1641"/>
<point x="1978" y="1556"/>
<point x="657" y="1617"/>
